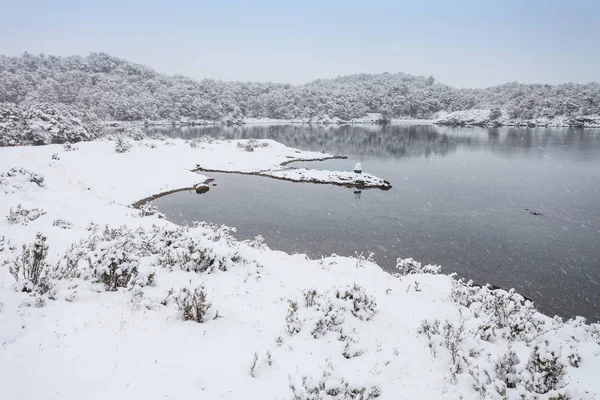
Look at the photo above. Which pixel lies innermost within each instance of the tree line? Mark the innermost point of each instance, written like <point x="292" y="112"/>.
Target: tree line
<point x="116" y="89"/>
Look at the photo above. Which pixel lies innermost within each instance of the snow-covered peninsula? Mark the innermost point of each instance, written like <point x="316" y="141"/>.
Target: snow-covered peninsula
<point x="101" y="300"/>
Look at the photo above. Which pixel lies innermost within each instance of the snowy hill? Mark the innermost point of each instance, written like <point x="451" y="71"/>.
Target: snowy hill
<point x="116" y="89"/>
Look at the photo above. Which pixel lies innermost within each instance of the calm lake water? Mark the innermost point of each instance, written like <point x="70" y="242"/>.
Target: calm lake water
<point x="459" y="199"/>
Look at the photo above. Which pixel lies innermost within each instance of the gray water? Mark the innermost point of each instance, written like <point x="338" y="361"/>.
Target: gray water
<point x="462" y="198"/>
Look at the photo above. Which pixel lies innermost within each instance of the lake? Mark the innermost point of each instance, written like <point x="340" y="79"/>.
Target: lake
<point x="513" y="207"/>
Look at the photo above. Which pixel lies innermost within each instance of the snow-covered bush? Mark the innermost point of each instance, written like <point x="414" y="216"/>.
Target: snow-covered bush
<point x="362" y="261"/>
<point x="125" y="257"/>
<point x="133" y="133"/>
<point x="5" y="244"/>
<point x="506" y="368"/>
<point x="114" y="266"/>
<point x="251" y="144"/>
<point x="257" y="243"/>
<point x="310" y="297"/>
<point x="432" y="331"/>
<point x="328" y="387"/>
<point x="28" y="268"/>
<point x="17" y="178"/>
<point x="193" y="304"/>
<point x="328" y="311"/>
<point x="23" y="216"/>
<point x="70" y="147"/>
<point x="55" y="157"/>
<point x="200" y="141"/>
<point x="364" y="307"/>
<point x="292" y="322"/>
<point x="122" y="145"/>
<point x="212" y="251"/>
<point x="453" y="338"/>
<point x="499" y="310"/>
<point x="408" y="266"/>
<point x="546" y="370"/>
<point x="148" y="210"/>
<point x="61" y="223"/>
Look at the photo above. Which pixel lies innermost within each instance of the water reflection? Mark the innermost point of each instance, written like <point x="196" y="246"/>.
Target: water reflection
<point x="400" y="141"/>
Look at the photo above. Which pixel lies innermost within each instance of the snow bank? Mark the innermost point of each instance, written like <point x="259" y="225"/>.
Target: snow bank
<point x="113" y="312"/>
<point x="342" y="178"/>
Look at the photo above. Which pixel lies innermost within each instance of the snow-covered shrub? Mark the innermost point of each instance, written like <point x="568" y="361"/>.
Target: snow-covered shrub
<point x="498" y="309"/>
<point x="506" y="369"/>
<point x="193" y="304"/>
<point x="351" y="348"/>
<point x="213" y="250"/>
<point x="257" y="243"/>
<point x="292" y="322"/>
<point x="260" y="362"/>
<point x="546" y="370"/>
<point x="134" y="133"/>
<point x="148" y="210"/>
<point x="29" y="267"/>
<point x="432" y="331"/>
<point x="328" y="387"/>
<point x="5" y="244"/>
<point x="574" y="357"/>
<point x="55" y="156"/>
<point x="70" y="147"/>
<point x="122" y="145"/>
<point x="364" y="306"/>
<point x="309" y="297"/>
<point x="362" y="261"/>
<point x="453" y="338"/>
<point x="23" y="216"/>
<point x="115" y="267"/>
<point x="251" y="144"/>
<point x="332" y="310"/>
<point x="16" y="178"/>
<point x="61" y="223"/>
<point x="332" y="316"/>
<point x="408" y="266"/>
<point x="200" y="141"/>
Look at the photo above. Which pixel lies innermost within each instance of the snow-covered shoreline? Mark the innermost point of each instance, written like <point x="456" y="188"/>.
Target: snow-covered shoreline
<point x="498" y="118"/>
<point x="279" y="325"/>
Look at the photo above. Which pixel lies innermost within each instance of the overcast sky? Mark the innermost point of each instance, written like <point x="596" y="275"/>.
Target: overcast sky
<point x="461" y="43"/>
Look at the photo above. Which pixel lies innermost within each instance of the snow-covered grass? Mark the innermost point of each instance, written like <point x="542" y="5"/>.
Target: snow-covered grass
<point x="145" y="309"/>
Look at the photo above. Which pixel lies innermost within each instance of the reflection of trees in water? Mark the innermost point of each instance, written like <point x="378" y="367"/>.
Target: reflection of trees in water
<point x="394" y="141"/>
<point x="568" y="142"/>
<point x="409" y="140"/>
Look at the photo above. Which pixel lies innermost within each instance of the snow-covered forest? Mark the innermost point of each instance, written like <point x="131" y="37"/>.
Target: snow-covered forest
<point x="116" y="89"/>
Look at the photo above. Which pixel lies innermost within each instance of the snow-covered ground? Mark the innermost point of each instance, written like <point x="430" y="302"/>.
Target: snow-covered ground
<point x="105" y="318"/>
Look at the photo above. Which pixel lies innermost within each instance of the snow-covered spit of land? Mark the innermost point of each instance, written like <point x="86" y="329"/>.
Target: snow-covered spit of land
<point x="497" y="117"/>
<point x="113" y="302"/>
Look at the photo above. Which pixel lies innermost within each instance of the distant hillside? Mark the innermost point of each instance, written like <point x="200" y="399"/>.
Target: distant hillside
<point x="116" y="89"/>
